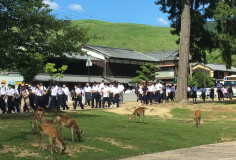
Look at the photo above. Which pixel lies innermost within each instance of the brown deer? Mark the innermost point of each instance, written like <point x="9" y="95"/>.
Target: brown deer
<point x="197" y="117"/>
<point x="138" y="113"/>
<point x="38" y="116"/>
<point x="53" y="135"/>
<point x="68" y="122"/>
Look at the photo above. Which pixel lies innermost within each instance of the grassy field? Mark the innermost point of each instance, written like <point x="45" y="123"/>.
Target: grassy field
<point x="142" y="38"/>
<point x="109" y="135"/>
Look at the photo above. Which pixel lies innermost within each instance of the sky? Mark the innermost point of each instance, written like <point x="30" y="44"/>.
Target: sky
<point x="117" y="11"/>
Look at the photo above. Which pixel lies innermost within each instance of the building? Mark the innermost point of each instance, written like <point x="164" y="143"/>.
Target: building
<point x="112" y="64"/>
<point x="216" y="71"/>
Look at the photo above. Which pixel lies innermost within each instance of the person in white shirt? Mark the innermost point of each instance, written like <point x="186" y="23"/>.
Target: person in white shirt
<point x="87" y="92"/>
<point x="3" y="90"/>
<point x="94" y="93"/>
<point x="9" y="94"/>
<point x="16" y="99"/>
<point x="78" y="98"/>
<point x="39" y="99"/>
<point x="116" y="96"/>
<point x="60" y="96"/>
<point x="158" y="88"/>
<point x="151" y="91"/>
<point x="194" y="95"/>
<point x="121" y="88"/>
<point x="203" y="90"/>
<point x="98" y="96"/>
<point x="66" y="92"/>
<point x="53" y="101"/>
<point x="111" y="94"/>
<point x="140" y="94"/>
<point x="105" y="95"/>
<point x="219" y="91"/>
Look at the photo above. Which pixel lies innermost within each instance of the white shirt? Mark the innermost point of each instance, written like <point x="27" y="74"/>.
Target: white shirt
<point x="112" y="89"/>
<point x="78" y="91"/>
<point x="194" y="89"/>
<point x="168" y="90"/>
<point x="188" y="89"/>
<point x="158" y="86"/>
<point x="16" y="94"/>
<point x="99" y="89"/>
<point x="172" y="88"/>
<point x="219" y="86"/>
<point x="38" y="92"/>
<point x="3" y="90"/>
<point x="116" y="91"/>
<point x="10" y="92"/>
<point x="121" y="87"/>
<point x="140" y="90"/>
<point x="54" y="91"/>
<point x="59" y="91"/>
<point x="105" y="91"/>
<point x="151" y="88"/>
<point x="94" y="89"/>
<point x="87" y="89"/>
<point x="65" y="90"/>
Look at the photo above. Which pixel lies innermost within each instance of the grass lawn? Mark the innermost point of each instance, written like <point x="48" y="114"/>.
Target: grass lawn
<point x="110" y="136"/>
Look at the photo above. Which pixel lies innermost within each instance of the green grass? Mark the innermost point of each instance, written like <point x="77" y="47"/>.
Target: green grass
<point x="101" y="128"/>
<point x="138" y="37"/>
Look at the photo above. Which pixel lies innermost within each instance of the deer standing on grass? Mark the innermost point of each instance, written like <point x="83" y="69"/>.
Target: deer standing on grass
<point x="68" y="122"/>
<point x="53" y="135"/>
<point x="38" y="116"/>
<point x="138" y="113"/>
<point x="197" y="117"/>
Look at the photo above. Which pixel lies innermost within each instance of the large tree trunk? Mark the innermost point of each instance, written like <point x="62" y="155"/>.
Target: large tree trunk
<point x="183" y="66"/>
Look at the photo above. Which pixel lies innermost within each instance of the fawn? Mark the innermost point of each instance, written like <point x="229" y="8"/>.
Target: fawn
<point x="68" y="122"/>
<point x="38" y="116"/>
<point x="138" y="113"/>
<point x="197" y="117"/>
<point x="53" y="135"/>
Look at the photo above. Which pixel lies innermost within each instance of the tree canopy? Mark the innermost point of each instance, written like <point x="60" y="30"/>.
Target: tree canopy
<point x="147" y="72"/>
<point x="28" y="28"/>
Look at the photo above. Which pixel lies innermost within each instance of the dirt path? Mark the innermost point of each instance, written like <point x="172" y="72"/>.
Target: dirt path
<point x="218" y="151"/>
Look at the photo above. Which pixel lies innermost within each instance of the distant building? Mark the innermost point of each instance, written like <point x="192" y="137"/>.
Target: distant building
<point x="216" y="71"/>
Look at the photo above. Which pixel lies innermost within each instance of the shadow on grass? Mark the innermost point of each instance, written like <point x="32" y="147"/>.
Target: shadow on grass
<point x="228" y="102"/>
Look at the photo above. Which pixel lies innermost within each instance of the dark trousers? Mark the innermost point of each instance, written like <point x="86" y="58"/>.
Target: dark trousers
<point x="32" y="99"/>
<point x="16" y="103"/>
<point x="60" y="101"/>
<point x="53" y="102"/>
<point x="39" y="102"/>
<point x="93" y="99"/>
<point x="150" y="96"/>
<point x="76" y="100"/>
<point x="111" y="98"/>
<point x="10" y="103"/>
<point x="87" y="98"/>
<point x="117" y="99"/>
<point x="104" y="100"/>
<point x="158" y="97"/>
<point x="65" y="99"/>
<point x="145" y="99"/>
<point x="2" y="104"/>
<point x="98" y="100"/>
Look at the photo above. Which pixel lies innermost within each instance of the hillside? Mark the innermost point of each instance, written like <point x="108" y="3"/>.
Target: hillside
<point x="142" y="38"/>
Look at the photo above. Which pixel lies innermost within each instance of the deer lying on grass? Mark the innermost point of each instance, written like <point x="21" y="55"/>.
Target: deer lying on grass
<point x="53" y="135"/>
<point x="68" y="122"/>
<point x="138" y="113"/>
<point x="197" y="117"/>
<point x="38" y="116"/>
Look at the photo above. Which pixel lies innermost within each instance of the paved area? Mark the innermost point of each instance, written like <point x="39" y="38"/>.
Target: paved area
<point x="219" y="151"/>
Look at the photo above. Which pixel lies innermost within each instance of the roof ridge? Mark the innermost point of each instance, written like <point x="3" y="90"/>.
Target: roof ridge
<point x="110" y="47"/>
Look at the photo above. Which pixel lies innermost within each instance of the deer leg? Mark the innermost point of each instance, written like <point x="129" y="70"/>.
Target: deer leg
<point x="72" y="134"/>
<point x="51" y="144"/>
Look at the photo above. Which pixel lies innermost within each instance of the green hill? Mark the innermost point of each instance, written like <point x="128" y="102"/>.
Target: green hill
<point x="138" y="37"/>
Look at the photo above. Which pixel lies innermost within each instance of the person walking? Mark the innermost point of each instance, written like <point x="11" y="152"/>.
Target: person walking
<point x="87" y="92"/>
<point x="9" y="95"/>
<point x="194" y="93"/>
<point x="105" y="95"/>
<point x="3" y="91"/>
<point x="212" y="93"/>
<point x="66" y="92"/>
<point x="25" y="101"/>
<point x="78" y="98"/>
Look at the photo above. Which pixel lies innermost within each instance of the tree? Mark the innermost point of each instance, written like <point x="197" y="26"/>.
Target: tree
<point x="200" y="79"/>
<point x="147" y="72"/>
<point x="54" y="72"/>
<point x="225" y="16"/>
<point x="27" y="27"/>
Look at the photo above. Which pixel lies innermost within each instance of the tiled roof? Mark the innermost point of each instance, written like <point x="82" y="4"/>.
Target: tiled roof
<point x="164" y="55"/>
<point x="121" y="53"/>
<point x="80" y="57"/>
<point x="218" y="67"/>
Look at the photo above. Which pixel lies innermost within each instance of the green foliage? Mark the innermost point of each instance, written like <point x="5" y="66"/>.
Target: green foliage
<point x="147" y="72"/>
<point x="28" y="27"/>
<point x="225" y="16"/>
<point x="54" y="72"/>
<point x="198" y="80"/>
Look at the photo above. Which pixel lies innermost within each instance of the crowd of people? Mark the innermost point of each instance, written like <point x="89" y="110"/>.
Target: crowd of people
<point x="159" y="92"/>
<point x="27" y="97"/>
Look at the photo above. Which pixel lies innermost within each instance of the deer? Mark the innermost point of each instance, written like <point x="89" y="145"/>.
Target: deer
<point x="197" y="117"/>
<point x="138" y="113"/>
<point x="68" y="122"/>
<point x="38" y="116"/>
<point x="53" y="135"/>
